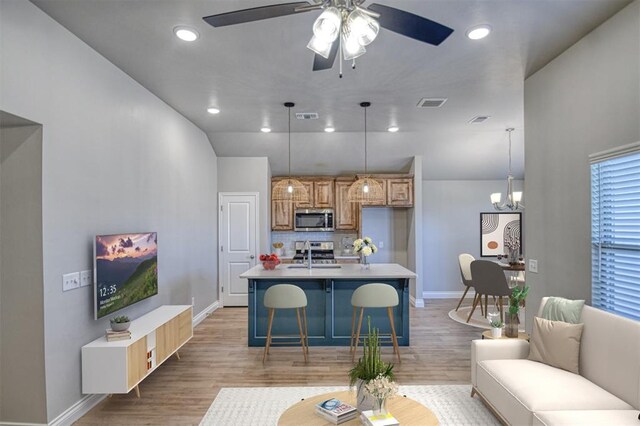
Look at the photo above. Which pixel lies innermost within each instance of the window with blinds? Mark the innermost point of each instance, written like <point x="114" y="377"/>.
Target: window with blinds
<point x="615" y="234"/>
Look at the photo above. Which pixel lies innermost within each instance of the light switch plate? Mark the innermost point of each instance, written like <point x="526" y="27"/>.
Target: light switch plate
<point x="70" y="281"/>
<point x="85" y="278"/>
<point x="533" y="266"/>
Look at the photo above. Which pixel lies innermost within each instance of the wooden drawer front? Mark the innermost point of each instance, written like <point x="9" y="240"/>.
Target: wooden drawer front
<point x="167" y="339"/>
<point x="383" y="201"/>
<point x="323" y="194"/>
<point x="136" y="362"/>
<point x="308" y="185"/>
<point x="400" y="192"/>
<point x="346" y="211"/>
<point x="185" y="326"/>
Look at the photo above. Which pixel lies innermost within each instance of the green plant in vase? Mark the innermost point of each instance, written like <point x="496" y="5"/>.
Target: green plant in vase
<point x="369" y="367"/>
<point x="517" y="298"/>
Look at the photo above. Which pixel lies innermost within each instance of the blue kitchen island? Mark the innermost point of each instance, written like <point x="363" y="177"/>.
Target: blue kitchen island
<point x="329" y="310"/>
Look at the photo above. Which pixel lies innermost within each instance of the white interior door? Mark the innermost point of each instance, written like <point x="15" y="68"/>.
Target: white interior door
<point x="238" y="244"/>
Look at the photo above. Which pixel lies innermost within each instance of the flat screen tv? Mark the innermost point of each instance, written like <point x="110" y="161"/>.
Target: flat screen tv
<point x="126" y="270"/>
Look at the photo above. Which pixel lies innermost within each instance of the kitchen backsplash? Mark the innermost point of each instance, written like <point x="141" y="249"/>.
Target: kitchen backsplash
<point x="289" y="238"/>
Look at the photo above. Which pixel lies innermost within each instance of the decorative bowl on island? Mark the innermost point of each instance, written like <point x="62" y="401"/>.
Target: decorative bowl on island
<point x="269" y="261"/>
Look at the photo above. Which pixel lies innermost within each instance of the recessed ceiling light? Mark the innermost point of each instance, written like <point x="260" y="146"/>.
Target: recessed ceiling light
<point x="393" y="129"/>
<point x="186" y="33"/>
<point x="213" y="110"/>
<point x="329" y="129"/>
<point x="265" y="130"/>
<point x="478" y="32"/>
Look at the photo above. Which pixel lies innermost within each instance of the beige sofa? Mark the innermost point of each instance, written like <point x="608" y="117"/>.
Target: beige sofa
<point x="523" y="392"/>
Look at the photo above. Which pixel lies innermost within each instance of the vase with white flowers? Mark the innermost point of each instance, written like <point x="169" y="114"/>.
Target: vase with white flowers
<point x="381" y="389"/>
<point x="364" y="247"/>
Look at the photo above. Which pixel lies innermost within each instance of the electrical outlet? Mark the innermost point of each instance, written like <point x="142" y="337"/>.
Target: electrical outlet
<point x="380" y="244"/>
<point x="533" y="266"/>
<point x="85" y="278"/>
<point x="70" y="281"/>
<point x="193" y="301"/>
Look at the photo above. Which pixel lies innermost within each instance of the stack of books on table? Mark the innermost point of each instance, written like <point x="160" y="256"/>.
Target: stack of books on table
<point x="369" y="419"/>
<point x="112" y="336"/>
<point x="336" y="411"/>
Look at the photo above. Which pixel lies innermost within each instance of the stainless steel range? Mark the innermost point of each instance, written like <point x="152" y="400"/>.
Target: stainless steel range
<point x="321" y="252"/>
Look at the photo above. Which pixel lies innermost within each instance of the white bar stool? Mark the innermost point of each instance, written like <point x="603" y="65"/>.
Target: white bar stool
<point x="374" y="295"/>
<point x="287" y="296"/>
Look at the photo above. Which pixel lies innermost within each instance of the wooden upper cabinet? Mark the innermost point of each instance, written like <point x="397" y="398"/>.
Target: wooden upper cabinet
<point x="308" y="185"/>
<point x="281" y="216"/>
<point x="323" y="194"/>
<point x="346" y="212"/>
<point x="400" y="192"/>
<point x="383" y="201"/>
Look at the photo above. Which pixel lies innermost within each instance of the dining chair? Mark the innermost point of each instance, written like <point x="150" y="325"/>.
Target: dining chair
<point x="464" y="260"/>
<point x="488" y="280"/>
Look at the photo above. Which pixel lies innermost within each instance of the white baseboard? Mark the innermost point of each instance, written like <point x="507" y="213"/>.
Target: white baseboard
<point x="446" y="294"/>
<point x="77" y="410"/>
<point x="418" y="303"/>
<point x="22" y="424"/>
<point x="205" y="313"/>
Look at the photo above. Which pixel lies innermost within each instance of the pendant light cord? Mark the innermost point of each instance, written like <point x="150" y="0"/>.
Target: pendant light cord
<point x="289" y="108"/>
<point x="365" y="140"/>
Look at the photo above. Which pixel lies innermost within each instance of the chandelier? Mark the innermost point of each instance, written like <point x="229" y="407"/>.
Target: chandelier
<point x="365" y="189"/>
<point x="513" y="201"/>
<point x="289" y="189"/>
<point x="348" y="24"/>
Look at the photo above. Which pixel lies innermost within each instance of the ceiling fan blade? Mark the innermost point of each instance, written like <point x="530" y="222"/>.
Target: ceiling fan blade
<point x="254" y="14"/>
<point x="410" y="25"/>
<point x="321" y="63"/>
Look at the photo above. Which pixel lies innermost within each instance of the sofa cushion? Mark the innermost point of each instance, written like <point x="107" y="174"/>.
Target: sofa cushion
<point x="587" y="418"/>
<point x="519" y="387"/>
<point x="556" y="343"/>
<point x="561" y="309"/>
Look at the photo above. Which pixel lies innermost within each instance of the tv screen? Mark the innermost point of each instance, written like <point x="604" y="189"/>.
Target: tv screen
<point x="126" y="270"/>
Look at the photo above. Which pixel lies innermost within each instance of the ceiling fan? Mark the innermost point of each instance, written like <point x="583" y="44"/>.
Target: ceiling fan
<point x="344" y="27"/>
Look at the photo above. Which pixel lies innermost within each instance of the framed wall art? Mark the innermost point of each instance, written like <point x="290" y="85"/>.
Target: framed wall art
<point x="499" y="231"/>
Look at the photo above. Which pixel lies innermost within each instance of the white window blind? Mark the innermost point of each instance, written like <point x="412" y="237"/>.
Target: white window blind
<point x="615" y="234"/>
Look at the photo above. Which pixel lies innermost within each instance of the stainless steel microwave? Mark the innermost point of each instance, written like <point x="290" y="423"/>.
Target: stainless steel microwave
<point x="314" y="220"/>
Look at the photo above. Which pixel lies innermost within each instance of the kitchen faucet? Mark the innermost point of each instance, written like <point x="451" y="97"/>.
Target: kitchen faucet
<point x="307" y="248"/>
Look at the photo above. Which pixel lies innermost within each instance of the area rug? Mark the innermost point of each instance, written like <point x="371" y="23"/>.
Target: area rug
<point x="452" y="404"/>
<point x="477" y="320"/>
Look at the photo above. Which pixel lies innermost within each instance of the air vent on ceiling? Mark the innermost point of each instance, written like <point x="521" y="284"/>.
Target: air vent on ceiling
<point x="431" y="102"/>
<point x="479" y="119"/>
<point x="307" y="115"/>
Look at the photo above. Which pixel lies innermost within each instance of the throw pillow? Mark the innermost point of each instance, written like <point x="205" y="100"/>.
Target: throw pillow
<point x="556" y="343"/>
<point x="561" y="309"/>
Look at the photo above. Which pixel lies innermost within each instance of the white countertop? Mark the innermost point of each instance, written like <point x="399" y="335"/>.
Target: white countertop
<point x="376" y="270"/>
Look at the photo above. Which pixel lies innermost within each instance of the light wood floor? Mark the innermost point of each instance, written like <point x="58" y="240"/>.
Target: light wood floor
<point x="181" y="391"/>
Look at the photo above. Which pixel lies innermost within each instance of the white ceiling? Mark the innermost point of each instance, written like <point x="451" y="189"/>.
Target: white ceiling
<point x="249" y="70"/>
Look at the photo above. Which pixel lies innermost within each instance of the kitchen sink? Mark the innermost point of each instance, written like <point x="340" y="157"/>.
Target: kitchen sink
<point x="314" y="267"/>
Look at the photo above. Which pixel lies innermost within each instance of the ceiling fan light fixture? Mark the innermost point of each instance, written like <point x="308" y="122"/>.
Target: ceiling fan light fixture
<point x="364" y="27"/>
<point x="320" y="47"/>
<point x="351" y="47"/>
<point x="327" y="26"/>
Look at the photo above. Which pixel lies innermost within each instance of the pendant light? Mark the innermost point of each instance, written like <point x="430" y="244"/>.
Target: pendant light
<point x="366" y="189"/>
<point x="289" y="189"/>
<point x="513" y="201"/>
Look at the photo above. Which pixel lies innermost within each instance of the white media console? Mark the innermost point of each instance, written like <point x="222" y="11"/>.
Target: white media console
<point x="118" y="367"/>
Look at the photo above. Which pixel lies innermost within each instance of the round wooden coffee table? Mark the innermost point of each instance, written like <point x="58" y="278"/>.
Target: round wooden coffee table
<point x="406" y="410"/>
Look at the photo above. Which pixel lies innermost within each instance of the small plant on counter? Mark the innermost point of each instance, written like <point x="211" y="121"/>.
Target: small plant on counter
<point x="120" y="319"/>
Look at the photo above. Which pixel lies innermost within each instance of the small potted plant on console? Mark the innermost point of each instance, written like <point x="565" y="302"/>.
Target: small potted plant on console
<point x="120" y="323"/>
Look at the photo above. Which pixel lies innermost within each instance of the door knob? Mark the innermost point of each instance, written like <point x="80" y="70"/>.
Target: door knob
<point x="252" y="257"/>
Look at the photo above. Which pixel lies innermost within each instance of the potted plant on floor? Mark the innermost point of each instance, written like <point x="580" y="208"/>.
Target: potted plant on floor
<point x="517" y="298"/>
<point x="369" y="367"/>
<point x="496" y="328"/>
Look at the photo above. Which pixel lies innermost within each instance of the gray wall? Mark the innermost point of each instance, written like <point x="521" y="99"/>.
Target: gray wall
<point x="22" y="372"/>
<point x="585" y="101"/>
<point x="115" y="159"/>
<point x="249" y="174"/>
<point x="414" y="238"/>
<point x="389" y="225"/>
<point x="451" y="226"/>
